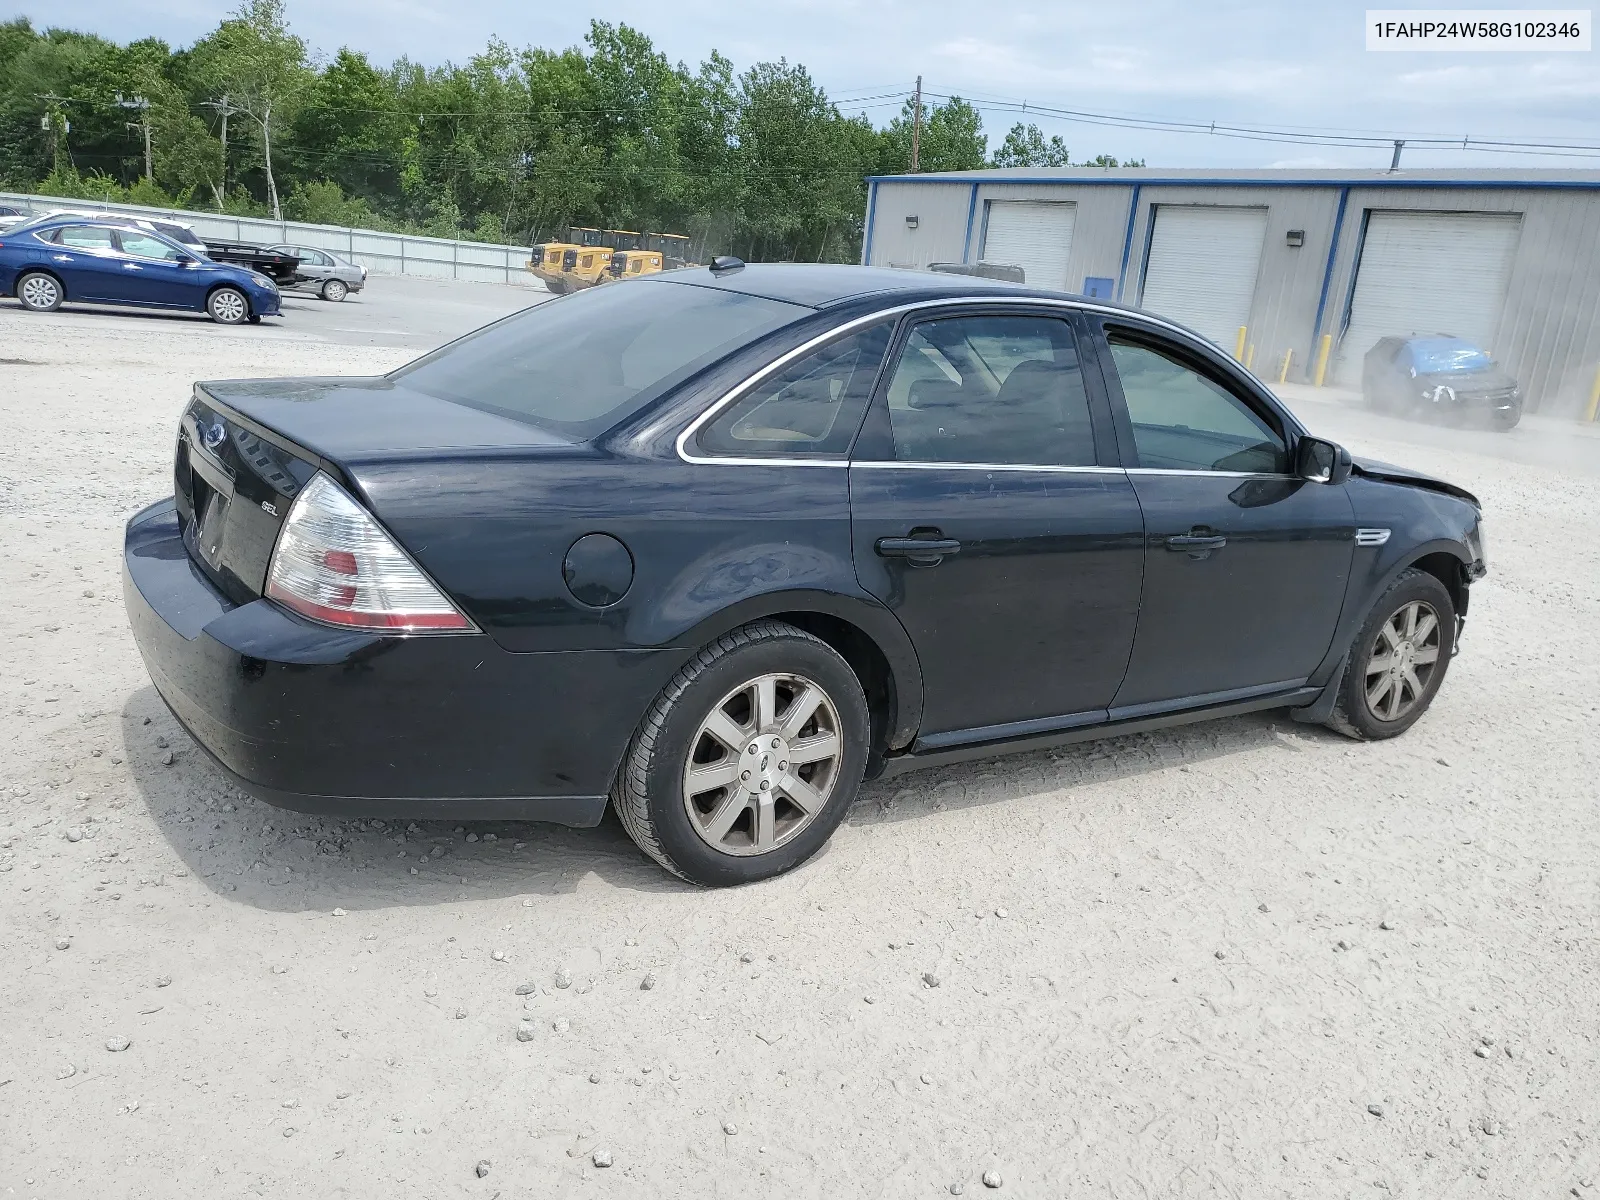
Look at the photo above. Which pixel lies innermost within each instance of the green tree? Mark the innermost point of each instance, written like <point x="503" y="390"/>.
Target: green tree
<point x="952" y="139"/>
<point x="1025" y="146"/>
<point x="263" y="68"/>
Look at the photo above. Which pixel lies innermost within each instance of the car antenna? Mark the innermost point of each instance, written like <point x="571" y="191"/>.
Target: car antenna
<point x="726" y="262"/>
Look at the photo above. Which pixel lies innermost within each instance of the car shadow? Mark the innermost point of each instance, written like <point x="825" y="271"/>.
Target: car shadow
<point x="249" y="852"/>
<point x="271" y="858"/>
<point x="1080" y="765"/>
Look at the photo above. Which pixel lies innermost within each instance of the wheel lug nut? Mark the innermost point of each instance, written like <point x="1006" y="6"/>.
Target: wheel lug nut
<point x="746" y="775"/>
<point x="783" y="766"/>
<point x="765" y="785"/>
<point x="774" y="743"/>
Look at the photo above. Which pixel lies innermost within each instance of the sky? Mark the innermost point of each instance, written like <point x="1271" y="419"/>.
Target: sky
<point x="1300" y="65"/>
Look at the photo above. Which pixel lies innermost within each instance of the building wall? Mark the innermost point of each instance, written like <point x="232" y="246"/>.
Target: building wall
<point x="1550" y="328"/>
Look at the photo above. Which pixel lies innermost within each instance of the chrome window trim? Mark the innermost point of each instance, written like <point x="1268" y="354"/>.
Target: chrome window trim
<point x="896" y="464"/>
<point x="684" y="439"/>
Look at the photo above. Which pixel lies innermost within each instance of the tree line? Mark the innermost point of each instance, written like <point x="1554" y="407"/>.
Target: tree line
<point x="511" y="146"/>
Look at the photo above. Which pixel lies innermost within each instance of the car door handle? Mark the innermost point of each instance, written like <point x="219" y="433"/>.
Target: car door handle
<point x="1197" y="544"/>
<point x="62" y="257"/>
<point x="132" y="267"/>
<point x="918" y="551"/>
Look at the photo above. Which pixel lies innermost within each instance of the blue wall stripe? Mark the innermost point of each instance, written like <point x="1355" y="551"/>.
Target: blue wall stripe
<point x="972" y="208"/>
<point x="1127" y="240"/>
<point x="872" y="209"/>
<point x="1327" y="273"/>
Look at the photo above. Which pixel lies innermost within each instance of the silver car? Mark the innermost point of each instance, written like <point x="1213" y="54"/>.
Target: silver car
<point x="324" y="272"/>
<point x="12" y="214"/>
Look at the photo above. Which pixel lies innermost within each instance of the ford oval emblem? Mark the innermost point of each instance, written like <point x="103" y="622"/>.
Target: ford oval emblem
<point x="214" y="435"/>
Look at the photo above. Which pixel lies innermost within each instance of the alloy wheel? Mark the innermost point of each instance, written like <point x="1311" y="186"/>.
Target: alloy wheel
<point x="40" y="291"/>
<point x="763" y="764"/>
<point x="1402" y="660"/>
<point x="228" y="307"/>
<point x="334" y="289"/>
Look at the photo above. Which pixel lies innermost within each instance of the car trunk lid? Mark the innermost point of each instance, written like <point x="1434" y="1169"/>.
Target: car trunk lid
<point x="247" y="447"/>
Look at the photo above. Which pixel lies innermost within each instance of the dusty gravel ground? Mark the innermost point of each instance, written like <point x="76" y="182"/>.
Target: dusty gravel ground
<point x="1242" y="959"/>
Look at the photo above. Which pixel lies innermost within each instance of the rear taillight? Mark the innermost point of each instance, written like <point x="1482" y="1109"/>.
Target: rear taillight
<point x="334" y="563"/>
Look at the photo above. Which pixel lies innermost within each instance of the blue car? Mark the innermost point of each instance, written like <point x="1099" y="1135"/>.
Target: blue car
<point x="52" y="259"/>
<point x="1441" y="378"/>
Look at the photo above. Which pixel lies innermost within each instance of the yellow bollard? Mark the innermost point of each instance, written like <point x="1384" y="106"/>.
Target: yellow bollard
<point x="1283" y="372"/>
<point x="1250" y="357"/>
<point x="1594" y="398"/>
<point x="1322" y="358"/>
<point x="1238" y="346"/>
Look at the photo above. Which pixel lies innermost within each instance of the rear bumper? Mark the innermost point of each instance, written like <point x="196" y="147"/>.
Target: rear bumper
<point x="318" y="719"/>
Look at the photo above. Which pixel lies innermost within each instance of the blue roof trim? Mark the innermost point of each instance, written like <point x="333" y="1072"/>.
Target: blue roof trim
<point x="1516" y="185"/>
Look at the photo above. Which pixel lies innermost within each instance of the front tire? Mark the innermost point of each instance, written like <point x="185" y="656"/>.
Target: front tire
<point x="1398" y="660"/>
<point x="228" y="306"/>
<point x="748" y="759"/>
<point x="335" y="290"/>
<point x="39" y="291"/>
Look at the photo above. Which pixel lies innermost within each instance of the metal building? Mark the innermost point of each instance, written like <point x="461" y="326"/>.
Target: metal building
<point x="1509" y="258"/>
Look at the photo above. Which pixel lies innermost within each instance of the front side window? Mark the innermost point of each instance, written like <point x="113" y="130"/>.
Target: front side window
<point x="582" y="363"/>
<point x="987" y="389"/>
<point x="811" y="408"/>
<point x="1184" y="421"/>
<point x="86" y="237"/>
<point x="143" y="245"/>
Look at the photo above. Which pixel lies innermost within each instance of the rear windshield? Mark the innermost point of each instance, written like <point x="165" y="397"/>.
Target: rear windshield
<point x="583" y="363"/>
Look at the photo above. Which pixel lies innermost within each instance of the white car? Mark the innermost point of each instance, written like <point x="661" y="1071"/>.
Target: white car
<point x="11" y="214"/>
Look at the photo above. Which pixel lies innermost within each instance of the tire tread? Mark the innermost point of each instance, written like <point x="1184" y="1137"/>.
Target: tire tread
<point x="628" y="794"/>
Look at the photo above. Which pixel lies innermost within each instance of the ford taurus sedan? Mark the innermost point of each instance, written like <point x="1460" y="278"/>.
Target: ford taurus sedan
<point x="757" y="534"/>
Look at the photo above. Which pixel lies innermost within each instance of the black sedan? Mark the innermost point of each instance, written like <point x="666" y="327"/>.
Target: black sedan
<point x="1440" y="378"/>
<point x="715" y="546"/>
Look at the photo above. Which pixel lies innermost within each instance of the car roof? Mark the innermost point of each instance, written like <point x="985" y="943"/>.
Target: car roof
<point x="823" y="285"/>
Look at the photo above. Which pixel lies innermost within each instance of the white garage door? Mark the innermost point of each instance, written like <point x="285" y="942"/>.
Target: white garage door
<point x="1035" y="235"/>
<point x="1203" y="265"/>
<point x="1428" y="273"/>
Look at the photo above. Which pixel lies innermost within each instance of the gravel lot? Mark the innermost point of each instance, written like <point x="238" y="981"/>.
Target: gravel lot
<point x="1242" y="959"/>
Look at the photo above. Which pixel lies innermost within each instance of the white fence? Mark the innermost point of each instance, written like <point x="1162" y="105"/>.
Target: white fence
<point x="381" y="253"/>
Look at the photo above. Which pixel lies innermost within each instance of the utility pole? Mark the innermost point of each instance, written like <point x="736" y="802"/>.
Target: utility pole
<point x="142" y="106"/>
<point x="56" y="123"/>
<point x="916" y="126"/>
<point x="1394" y="163"/>
<point x="223" y="109"/>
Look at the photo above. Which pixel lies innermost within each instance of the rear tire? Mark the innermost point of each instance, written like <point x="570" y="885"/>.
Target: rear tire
<point x="696" y="790"/>
<point x="334" y="290"/>
<point x="40" y="291"/>
<point x="1398" y="660"/>
<point x="228" y="306"/>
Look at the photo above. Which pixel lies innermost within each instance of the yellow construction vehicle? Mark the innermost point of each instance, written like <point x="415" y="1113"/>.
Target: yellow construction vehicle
<point x="546" y="263"/>
<point x="630" y="264"/>
<point x="584" y="266"/>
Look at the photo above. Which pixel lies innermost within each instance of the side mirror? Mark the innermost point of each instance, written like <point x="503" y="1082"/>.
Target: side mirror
<point x="186" y="260"/>
<point x="1321" y="461"/>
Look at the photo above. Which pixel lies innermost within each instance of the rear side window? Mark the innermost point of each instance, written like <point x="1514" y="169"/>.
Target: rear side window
<point x="1001" y="390"/>
<point x="86" y="237"/>
<point x="581" y="364"/>
<point x="1185" y="421"/>
<point x="810" y="409"/>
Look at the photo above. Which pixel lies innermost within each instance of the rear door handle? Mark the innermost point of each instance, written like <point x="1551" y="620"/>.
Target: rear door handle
<point x="132" y="267"/>
<point x="919" y="552"/>
<point x="1198" y="544"/>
